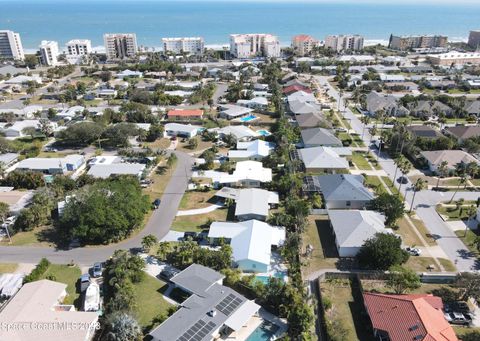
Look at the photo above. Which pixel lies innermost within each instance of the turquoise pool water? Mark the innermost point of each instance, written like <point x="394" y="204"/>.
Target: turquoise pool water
<point x="248" y="118"/>
<point x="264" y="279"/>
<point x="264" y="132"/>
<point x="263" y="332"/>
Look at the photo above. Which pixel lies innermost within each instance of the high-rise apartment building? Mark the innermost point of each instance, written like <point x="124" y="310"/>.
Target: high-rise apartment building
<point x="303" y="44"/>
<point x="120" y="45"/>
<point x="79" y="47"/>
<point x="191" y="45"/>
<point x="474" y="39"/>
<point x="11" y="45"/>
<point x="254" y="45"/>
<point x="405" y="43"/>
<point x="344" y="42"/>
<point x="49" y="52"/>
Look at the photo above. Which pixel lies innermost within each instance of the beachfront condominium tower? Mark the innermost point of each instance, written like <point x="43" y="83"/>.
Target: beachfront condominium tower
<point x="120" y="45"/>
<point x="405" y="43"/>
<point x="192" y="45"/>
<point x="303" y="44"/>
<point x="11" y="45"/>
<point x="254" y="45"/>
<point x="77" y="50"/>
<point x="339" y="43"/>
<point x="49" y="52"/>
<point x="474" y="39"/>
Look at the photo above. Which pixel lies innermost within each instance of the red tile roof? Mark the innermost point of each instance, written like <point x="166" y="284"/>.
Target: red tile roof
<point x="185" y="113"/>
<point x="302" y="37"/>
<point x="294" y="88"/>
<point x="409" y="317"/>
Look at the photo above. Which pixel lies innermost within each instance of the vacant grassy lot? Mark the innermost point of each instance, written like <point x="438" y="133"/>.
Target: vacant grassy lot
<point x="346" y="308"/>
<point x="8" y="267"/>
<point x="200" y="221"/>
<point x="197" y="199"/>
<point x="68" y="275"/>
<point x="150" y="302"/>
<point x="318" y="234"/>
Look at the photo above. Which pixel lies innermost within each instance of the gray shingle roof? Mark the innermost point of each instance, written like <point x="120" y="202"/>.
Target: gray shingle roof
<point x="344" y="187"/>
<point x="320" y="137"/>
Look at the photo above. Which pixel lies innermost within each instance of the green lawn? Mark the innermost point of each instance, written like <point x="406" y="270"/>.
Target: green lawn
<point x="197" y="199"/>
<point x="41" y="236"/>
<point x="318" y="234"/>
<point x="200" y="221"/>
<point x="374" y="182"/>
<point x="150" y="302"/>
<point x="360" y="160"/>
<point x="468" y="240"/>
<point x="452" y="213"/>
<point x="68" y="275"/>
<point x="8" y="267"/>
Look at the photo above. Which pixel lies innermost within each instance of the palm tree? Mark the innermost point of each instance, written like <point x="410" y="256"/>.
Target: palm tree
<point x="462" y="181"/>
<point x="442" y="171"/>
<point x="398" y="161"/>
<point x="373" y="131"/>
<point x="365" y="120"/>
<point x="471" y="212"/>
<point x="418" y="186"/>
<point x="472" y="169"/>
<point x="405" y="167"/>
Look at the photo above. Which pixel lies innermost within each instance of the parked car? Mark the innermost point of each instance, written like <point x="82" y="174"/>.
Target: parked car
<point x="458" y="318"/>
<point x="84" y="282"/>
<point x="459" y="306"/>
<point x="97" y="270"/>
<point x="190" y="235"/>
<point x="168" y="273"/>
<point x="173" y="138"/>
<point x="402" y="180"/>
<point x="413" y="251"/>
<point x="156" y="203"/>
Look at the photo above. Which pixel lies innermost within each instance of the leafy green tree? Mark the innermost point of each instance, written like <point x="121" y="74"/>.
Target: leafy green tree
<point x="381" y="252"/>
<point x="154" y="132"/>
<point x="137" y="113"/>
<point x="390" y="205"/>
<point x="469" y="285"/>
<point x="401" y="279"/>
<point x="193" y="143"/>
<point x="104" y="212"/>
<point x="118" y="135"/>
<point x="122" y="327"/>
<point x="4" y="210"/>
<point x="148" y="242"/>
<point x="80" y="134"/>
<point x="20" y="179"/>
<point x="172" y="159"/>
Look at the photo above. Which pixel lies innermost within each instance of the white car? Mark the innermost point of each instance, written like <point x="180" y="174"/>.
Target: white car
<point x="413" y="251"/>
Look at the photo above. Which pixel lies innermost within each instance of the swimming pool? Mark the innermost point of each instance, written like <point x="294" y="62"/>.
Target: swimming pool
<point x="264" y="332"/>
<point x="264" y="279"/>
<point x="248" y="118"/>
<point x="264" y="132"/>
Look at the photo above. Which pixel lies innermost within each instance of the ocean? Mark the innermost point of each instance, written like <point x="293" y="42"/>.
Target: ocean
<point x="151" y="20"/>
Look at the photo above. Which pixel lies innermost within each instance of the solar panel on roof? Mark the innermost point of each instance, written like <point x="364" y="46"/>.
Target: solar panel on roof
<point x="229" y="304"/>
<point x="198" y="331"/>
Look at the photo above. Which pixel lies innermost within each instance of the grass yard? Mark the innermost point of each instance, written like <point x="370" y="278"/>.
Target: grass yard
<point x="421" y="264"/>
<point x="390" y="185"/>
<point x="358" y="140"/>
<point x="200" y="221"/>
<point x="68" y="275"/>
<point x="374" y="182"/>
<point x="324" y="255"/>
<point x="41" y="236"/>
<point x="409" y="236"/>
<point x="160" y="177"/>
<point x="8" y="267"/>
<point x="347" y="308"/>
<point x="162" y="143"/>
<point x="452" y="213"/>
<point x="150" y="302"/>
<point x="197" y="199"/>
<point x="469" y="240"/>
<point x="466" y="331"/>
<point x="360" y="160"/>
<point x="379" y="286"/>
<point x="202" y="145"/>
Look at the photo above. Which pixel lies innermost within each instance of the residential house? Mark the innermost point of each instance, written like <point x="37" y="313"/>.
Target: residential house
<point x="129" y="73"/>
<point x="54" y="165"/>
<point x="430" y="108"/>
<point x="377" y="102"/>
<point x="185" y="115"/>
<point x="443" y="84"/>
<point x="211" y="310"/>
<point x="352" y="228"/>
<point x="424" y="131"/>
<point x="16" y="129"/>
<point x="302" y="96"/>
<point x="389" y="78"/>
<point x="298" y="107"/>
<point x="408" y="317"/>
<point x="326" y="159"/>
<point x="251" y="242"/>
<point x="104" y="171"/>
<point x="251" y="203"/>
<point x="41" y="302"/>
<point x="256" y="103"/>
<point x="249" y="174"/>
<point x="183" y="130"/>
<point x="462" y="133"/>
<point x="27" y="112"/>
<point x="231" y="111"/>
<point x="8" y="159"/>
<point x="340" y="191"/>
<point x="311" y="120"/>
<point x="23" y="80"/>
<point x="240" y="132"/>
<point x="253" y="150"/>
<point x="473" y="108"/>
<point x="16" y="200"/>
<point x="289" y="90"/>
<point x="316" y="137"/>
<point x="453" y="158"/>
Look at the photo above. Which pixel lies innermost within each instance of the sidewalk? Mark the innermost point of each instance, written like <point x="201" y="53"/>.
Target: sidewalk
<point x="204" y="210"/>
